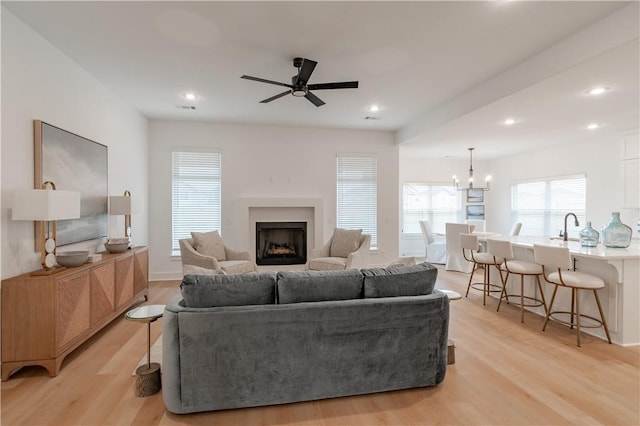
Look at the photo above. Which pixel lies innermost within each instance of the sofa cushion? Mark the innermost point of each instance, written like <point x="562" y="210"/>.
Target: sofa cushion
<point x="206" y="291"/>
<point x="344" y="242"/>
<point x="328" y="263"/>
<point x="411" y="280"/>
<point x="316" y="286"/>
<point x="209" y="244"/>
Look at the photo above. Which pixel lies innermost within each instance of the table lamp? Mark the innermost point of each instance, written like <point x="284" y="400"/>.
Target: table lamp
<point x="121" y="205"/>
<point x="48" y="205"/>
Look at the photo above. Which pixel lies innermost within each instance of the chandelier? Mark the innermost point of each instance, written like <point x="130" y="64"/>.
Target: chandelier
<point x="470" y="185"/>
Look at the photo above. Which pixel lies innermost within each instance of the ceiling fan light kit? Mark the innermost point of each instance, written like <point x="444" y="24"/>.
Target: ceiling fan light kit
<point x="299" y="87"/>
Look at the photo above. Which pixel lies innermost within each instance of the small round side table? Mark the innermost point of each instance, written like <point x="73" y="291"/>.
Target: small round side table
<point x="147" y="376"/>
<point x="451" y="346"/>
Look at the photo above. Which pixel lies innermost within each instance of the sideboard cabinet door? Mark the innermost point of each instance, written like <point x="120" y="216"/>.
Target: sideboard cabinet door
<point x="103" y="292"/>
<point x="73" y="294"/>
<point x="124" y="280"/>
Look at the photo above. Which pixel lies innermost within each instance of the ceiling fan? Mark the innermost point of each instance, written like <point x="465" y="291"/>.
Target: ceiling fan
<point x="299" y="86"/>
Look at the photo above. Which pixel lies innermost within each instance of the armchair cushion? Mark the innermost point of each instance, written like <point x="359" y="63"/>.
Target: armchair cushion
<point x="207" y="291"/>
<point x="209" y="244"/>
<point x="414" y="280"/>
<point x="345" y="242"/>
<point x="328" y="263"/>
<point x="198" y="270"/>
<point x="237" y="266"/>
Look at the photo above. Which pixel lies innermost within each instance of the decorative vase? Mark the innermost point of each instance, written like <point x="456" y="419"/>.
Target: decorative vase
<point x="615" y="233"/>
<point x="589" y="236"/>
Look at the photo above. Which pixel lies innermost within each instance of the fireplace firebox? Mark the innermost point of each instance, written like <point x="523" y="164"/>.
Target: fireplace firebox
<point x="281" y="243"/>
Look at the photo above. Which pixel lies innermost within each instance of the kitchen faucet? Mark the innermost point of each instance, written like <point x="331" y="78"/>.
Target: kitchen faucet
<point x="566" y="237"/>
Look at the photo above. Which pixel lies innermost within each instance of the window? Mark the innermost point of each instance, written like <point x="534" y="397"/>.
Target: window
<point x="357" y="194"/>
<point x="437" y="203"/>
<point x="542" y="204"/>
<point x="196" y="195"/>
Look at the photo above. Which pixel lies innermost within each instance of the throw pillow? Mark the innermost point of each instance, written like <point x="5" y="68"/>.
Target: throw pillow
<point x="209" y="244"/>
<point x="317" y="286"/>
<point x="207" y="291"/>
<point x="344" y="242"/>
<point x="414" y="280"/>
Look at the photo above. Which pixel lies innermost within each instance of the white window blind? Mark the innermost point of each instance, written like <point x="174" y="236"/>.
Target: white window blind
<point x="196" y="194"/>
<point x="542" y="204"/>
<point x="437" y="203"/>
<point x="357" y="194"/>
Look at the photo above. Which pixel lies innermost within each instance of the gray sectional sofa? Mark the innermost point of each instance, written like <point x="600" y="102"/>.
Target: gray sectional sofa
<point x="260" y="339"/>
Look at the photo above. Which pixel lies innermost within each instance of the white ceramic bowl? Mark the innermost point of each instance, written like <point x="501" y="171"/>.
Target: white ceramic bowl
<point x="118" y="240"/>
<point x="72" y="258"/>
<point x="116" y="248"/>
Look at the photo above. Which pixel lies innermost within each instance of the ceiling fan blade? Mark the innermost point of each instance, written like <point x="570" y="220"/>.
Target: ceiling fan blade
<point x="273" y="98"/>
<point x="305" y="71"/>
<point x="262" y="80"/>
<point x="314" y="99"/>
<point x="341" y="85"/>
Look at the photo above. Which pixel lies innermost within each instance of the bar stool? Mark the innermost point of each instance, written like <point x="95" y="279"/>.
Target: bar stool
<point x="469" y="245"/>
<point x="559" y="258"/>
<point x="523" y="268"/>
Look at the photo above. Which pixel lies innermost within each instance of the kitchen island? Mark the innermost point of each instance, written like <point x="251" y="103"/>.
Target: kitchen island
<point x="620" y="270"/>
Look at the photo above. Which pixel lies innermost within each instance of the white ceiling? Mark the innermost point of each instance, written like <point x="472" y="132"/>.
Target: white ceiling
<point x="444" y="73"/>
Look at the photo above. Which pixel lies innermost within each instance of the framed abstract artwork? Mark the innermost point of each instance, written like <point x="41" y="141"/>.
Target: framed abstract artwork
<point x="475" y="212"/>
<point x="475" y="195"/>
<point x="73" y="163"/>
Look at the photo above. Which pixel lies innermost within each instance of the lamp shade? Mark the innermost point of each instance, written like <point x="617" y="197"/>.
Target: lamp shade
<point x="45" y="204"/>
<point x="119" y="204"/>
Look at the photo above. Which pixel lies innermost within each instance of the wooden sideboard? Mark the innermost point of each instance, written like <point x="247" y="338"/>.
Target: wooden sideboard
<point x="44" y="318"/>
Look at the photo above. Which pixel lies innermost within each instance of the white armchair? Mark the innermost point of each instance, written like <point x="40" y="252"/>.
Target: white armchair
<point x="326" y="258"/>
<point x="435" y="249"/>
<point x="226" y="261"/>
<point x="455" y="258"/>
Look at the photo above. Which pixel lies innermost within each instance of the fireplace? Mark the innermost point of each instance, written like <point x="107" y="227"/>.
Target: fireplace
<point x="281" y="243"/>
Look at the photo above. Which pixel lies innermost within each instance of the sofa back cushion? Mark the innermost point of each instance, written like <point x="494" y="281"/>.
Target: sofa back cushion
<point x="414" y="280"/>
<point x="316" y="286"/>
<point x="207" y="291"/>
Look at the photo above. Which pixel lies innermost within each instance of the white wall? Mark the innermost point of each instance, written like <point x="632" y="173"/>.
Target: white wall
<point x="40" y="82"/>
<point x="267" y="161"/>
<point x="599" y="160"/>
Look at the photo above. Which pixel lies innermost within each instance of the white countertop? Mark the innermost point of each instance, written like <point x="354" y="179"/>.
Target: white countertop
<point x="599" y="252"/>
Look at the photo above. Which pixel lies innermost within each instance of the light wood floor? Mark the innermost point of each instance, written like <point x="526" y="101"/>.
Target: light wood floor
<point x="506" y="373"/>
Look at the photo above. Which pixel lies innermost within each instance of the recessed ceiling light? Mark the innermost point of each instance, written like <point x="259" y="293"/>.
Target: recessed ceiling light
<point x="594" y="126"/>
<point x="509" y="121"/>
<point x="190" y="96"/>
<point x="597" y="91"/>
<point x="374" y="108"/>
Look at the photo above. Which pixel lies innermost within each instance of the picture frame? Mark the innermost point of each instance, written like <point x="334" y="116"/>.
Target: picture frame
<point x="73" y="163"/>
<point x="475" y="195"/>
<point x="475" y="212"/>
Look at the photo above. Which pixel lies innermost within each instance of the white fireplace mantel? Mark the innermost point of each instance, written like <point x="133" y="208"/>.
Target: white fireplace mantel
<point x="246" y="229"/>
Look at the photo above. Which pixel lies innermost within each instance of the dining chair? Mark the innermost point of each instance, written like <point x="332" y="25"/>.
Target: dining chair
<point x="455" y="258"/>
<point x="435" y="249"/>
<point x="504" y="250"/>
<point x="480" y="225"/>
<point x="557" y="269"/>
<point x="515" y="229"/>
<point x="470" y="250"/>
